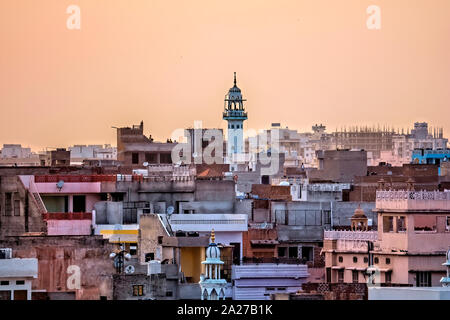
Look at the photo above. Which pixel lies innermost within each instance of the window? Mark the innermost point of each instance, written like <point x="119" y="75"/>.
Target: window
<point x="150" y="157"/>
<point x="340" y="259"/>
<point x="281" y="252"/>
<point x="20" y="282"/>
<point x="388" y="260"/>
<point x="165" y="158"/>
<point x="447" y="227"/>
<point x="4" y="283"/>
<point x="366" y="260"/>
<point x="169" y="293"/>
<point x="135" y="158"/>
<point x="17" y="207"/>
<point x="328" y="275"/>
<point x="281" y="289"/>
<point x="293" y="252"/>
<point x="149" y="256"/>
<point x="376" y="260"/>
<point x="423" y="279"/>
<point x="133" y="249"/>
<point x="424" y="223"/>
<point x="355" y="259"/>
<point x="307" y="253"/>
<point x="8" y="204"/>
<point x="388" y="224"/>
<point x="388" y="277"/>
<point x="138" y="290"/>
<point x="341" y="275"/>
<point x="327" y="216"/>
<point x="79" y="203"/>
<point x="401" y="225"/>
<point x="355" y="278"/>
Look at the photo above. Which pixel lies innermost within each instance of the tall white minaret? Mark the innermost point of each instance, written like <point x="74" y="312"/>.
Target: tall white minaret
<point x="235" y="115"/>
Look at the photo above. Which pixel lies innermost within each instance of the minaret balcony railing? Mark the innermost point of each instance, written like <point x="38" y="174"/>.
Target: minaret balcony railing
<point x="235" y="114"/>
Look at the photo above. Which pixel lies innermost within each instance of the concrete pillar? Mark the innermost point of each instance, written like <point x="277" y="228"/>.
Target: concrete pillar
<point x="70" y="203"/>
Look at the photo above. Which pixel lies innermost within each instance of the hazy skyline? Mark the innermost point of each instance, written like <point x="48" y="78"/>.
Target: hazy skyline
<point x="171" y="63"/>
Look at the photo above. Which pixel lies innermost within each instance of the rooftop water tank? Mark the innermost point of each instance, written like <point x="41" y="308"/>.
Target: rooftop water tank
<point x="154" y="267"/>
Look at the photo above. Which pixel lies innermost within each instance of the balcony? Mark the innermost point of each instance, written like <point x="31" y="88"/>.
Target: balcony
<point x="413" y="200"/>
<point x="351" y="235"/>
<point x="235" y="114"/>
<point x="68" y="223"/>
<point x="67" y="216"/>
<point x="75" y="178"/>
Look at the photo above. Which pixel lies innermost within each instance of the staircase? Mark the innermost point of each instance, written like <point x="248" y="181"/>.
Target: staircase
<point x="40" y="204"/>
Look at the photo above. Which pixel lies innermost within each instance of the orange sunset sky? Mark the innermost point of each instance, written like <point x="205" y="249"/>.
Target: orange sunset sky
<point x="170" y="63"/>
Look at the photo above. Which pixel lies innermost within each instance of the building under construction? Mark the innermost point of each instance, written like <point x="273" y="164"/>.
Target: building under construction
<point x="371" y="139"/>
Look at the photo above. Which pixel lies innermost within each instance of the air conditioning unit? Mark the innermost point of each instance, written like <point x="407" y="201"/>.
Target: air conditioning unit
<point x="5" y="253"/>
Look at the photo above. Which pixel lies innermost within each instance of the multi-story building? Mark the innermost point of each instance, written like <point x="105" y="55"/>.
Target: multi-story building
<point x="407" y="249"/>
<point x="15" y="151"/>
<point x="79" y="153"/>
<point x="134" y="149"/>
<point x="419" y="138"/>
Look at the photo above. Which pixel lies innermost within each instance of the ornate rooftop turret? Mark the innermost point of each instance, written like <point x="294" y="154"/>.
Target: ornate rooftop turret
<point x="359" y="220"/>
<point x="211" y="285"/>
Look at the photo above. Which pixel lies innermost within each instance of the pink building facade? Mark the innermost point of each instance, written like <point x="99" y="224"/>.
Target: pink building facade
<point x="407" y="249"/>
<point x="66" y="202"/>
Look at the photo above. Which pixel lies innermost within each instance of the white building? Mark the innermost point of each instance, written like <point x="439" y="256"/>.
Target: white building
<point x="421" y="137"/>
<point x="16" y="276"/>
<point x="15" y="151"/>
<point x="78" y="153"/>
<point x="259" y="281"/>
<point x="228" y="227"/>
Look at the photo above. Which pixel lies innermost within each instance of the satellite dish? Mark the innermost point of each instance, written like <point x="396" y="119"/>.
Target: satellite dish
<point x="60" y="184"/>
<point x="145" y="164"/>
<point x="170" y="210"/>
<point x="129" y="269"/>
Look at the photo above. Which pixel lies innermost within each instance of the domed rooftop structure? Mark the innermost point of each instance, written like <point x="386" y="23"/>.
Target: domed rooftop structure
<point x="359" y="220"/>
<point x="359" y="213"/>
<point x="213" y="252"/>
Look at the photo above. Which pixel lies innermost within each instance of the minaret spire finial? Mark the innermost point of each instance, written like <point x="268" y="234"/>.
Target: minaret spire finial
<point x="235" y="78"/>
<point x="213" y="236"/>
